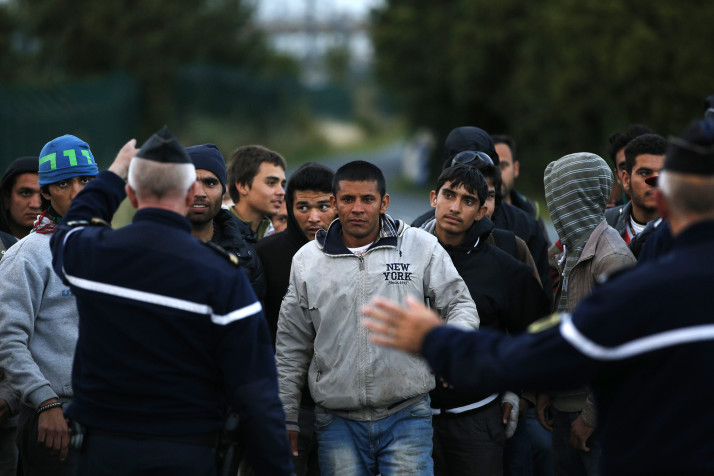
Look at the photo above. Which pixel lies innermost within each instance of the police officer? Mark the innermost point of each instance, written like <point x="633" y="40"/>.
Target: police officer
<point x="171" y="333"/>
<point x="644" y="340"/>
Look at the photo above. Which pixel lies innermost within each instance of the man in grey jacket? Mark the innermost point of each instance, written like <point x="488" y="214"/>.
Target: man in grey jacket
<point x="372" y="411"/>
<point x="38" y="314"/>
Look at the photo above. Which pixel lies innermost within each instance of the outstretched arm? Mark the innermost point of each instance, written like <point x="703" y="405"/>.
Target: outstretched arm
<point x="485" y="360"/>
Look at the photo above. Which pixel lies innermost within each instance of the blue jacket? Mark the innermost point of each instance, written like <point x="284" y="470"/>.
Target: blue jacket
<point x="171" y="333"/>
<point x="644" y="342"/>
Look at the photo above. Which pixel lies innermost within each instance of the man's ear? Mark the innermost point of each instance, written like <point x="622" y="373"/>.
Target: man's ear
<point x="481" y="212"/>
<point x="131" y="195"/>
<point x="333" y="203"/>
<point x="625" y="179"/>
<point x="385" y="204"/>
<point x="432" y="198"/>
<point x="243" y="189"/>
<point x="516" y="168"/>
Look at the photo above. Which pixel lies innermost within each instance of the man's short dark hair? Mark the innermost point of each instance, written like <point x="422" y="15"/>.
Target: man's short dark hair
<point x="244" y="164"/>
<point x="310" y="176"/>
<point x="645" y="144"/>
<point x="359" y="171"/>
<point x="618" y="140"/>
<point x="508" y="140"/>
<point x="470" y="177"/>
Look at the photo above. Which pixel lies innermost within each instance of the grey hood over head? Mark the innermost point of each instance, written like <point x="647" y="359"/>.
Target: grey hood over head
<point x="577" y="188"/>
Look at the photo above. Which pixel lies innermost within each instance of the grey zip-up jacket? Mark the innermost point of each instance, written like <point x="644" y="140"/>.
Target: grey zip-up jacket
<point x="38" y="323"/>
<point x="320" y="332"/>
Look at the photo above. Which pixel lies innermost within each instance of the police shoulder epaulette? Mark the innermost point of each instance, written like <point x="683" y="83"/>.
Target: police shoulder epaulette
<point x="544" y="324"/>
<point x="93" y="222"/>
<point x="222" y="251"/>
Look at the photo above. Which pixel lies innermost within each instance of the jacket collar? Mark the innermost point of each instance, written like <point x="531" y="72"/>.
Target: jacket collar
<point x="701" y="232"/>
<point x="162" y="217"/>
<point x="330" y="241"/>
<point x="475" y="237"/>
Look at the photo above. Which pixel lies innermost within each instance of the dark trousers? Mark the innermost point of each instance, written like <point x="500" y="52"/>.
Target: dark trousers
<point x="8" y="451"/>
<point x="37" y="460"/>
<point x="529" y="452"/>
<point x="469" y="443"/>
<point x="568" y="460"/>
<point x="112" y="455"/>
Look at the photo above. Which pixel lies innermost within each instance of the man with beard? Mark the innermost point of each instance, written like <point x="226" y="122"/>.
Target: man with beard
<point x="644" y="157"/>
<point x="307" y="199"/>
<point x="616" y="151"/>
<point x="210" y="222"/>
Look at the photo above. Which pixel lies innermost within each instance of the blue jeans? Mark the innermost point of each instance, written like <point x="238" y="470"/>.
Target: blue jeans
<point x="529" y="451"/>
<point x="399" y="444"/>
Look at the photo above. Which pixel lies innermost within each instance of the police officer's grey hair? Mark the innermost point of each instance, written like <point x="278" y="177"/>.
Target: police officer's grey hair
<point x="160" y="180"/>
<point x="687" y="193"/>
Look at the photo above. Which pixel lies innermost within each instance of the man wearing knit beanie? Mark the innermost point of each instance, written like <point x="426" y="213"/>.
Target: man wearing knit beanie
<point x="38" y="314"/>
<point x="20" y="196"/>
<point x="210" y="222"/>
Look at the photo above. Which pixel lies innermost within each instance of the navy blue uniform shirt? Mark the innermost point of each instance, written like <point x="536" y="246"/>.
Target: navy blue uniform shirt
<point x="171" y="333"/>
<point x="644" y="341"/>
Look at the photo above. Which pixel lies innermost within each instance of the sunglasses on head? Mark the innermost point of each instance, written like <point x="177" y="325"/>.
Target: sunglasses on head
<point x="472" y="157"/>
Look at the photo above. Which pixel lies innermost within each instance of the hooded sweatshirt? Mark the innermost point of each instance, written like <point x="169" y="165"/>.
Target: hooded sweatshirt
<point x="577" y="188"/>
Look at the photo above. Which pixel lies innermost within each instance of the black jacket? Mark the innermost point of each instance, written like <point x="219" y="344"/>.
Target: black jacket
<point x="530" y="207"/>
<point x="525" y="226"/>
<point x="235" y="236"/>
<point x="507" y="295"/>
<point x="276" y="253"/>
<point x="508" y="217"/>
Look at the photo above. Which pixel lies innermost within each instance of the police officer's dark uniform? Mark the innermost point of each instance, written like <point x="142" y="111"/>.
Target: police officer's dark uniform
<point x="644" y="340"/>
<point x="171" y="335"/>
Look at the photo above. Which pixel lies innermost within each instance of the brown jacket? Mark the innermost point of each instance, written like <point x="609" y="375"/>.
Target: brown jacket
<point x="604" y="253"/>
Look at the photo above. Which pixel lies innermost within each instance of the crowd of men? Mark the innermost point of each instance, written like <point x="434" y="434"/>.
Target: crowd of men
<point x="234" y="294"/>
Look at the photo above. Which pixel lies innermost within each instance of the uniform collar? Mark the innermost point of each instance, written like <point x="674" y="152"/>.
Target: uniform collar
<point x="162" y="217"/>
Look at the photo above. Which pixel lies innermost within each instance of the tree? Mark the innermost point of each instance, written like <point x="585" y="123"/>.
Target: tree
<point x="559" y="75"/>
<point x="147" y="39"/>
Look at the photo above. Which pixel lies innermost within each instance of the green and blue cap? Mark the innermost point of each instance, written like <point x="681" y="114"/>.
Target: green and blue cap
<point x="66" y="157"/>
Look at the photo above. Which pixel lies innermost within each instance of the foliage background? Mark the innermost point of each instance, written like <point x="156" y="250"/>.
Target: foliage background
<point x="558" y="75"/>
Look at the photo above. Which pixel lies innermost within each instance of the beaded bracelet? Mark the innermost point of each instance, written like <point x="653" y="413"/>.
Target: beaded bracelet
<point x="44" y="408"/>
